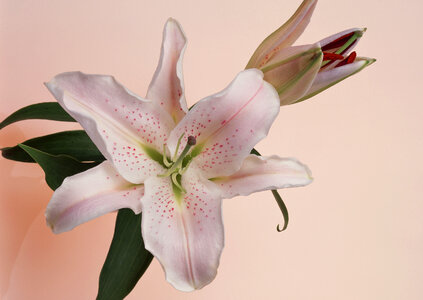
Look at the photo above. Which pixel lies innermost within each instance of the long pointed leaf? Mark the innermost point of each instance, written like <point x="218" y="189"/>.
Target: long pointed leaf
<point x="57" y="167"/>
<point x="74" y="143"/>
<point x="127" y="259"/>
<point x="280" y="202"/>
<point x="44" y="110"/>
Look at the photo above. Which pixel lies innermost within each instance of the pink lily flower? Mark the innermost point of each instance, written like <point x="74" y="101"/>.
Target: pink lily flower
<point x="300" y="72"/>
<point x="173" y="165"/>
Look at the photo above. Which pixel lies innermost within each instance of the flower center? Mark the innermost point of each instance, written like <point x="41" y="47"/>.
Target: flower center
<point x="177" y="165"/>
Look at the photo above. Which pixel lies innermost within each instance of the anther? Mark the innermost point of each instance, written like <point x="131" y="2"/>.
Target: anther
<point x="351" y="57"/>
<point x="349" y="60"/>
<point x="332" y="56"/>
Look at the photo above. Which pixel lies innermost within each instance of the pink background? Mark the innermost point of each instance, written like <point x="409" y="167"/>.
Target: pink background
<point x="355" y="233"/>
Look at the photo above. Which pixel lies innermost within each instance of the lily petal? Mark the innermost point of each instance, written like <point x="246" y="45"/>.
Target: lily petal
<point x="284" y="36"/>
<point x="91" y="194"/>
<point x="184" y="233"/>
<point x="167" y="85"/>
<point x="125" y="128"/>
<point x="328" y="78"/>
<point x="293" y="70"/>
<point x="229" y="124"/>
<point x="259" y="173"/>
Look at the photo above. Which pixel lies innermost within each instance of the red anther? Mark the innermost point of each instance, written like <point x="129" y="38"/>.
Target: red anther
<point x="339" y="42"/>
<point x="350" y="59"/>
<point x="332" y="56"/>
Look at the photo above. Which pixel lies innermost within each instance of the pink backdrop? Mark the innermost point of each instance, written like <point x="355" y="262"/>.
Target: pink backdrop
<point x="355" y="233"/>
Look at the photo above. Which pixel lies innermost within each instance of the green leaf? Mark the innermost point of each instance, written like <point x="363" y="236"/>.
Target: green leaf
<point x="280" y="202"/>
<point x="127" y="259"/>
<point x="74" y="143"/>
<point x="57" y="167"/>
<point x="44" y="110"/>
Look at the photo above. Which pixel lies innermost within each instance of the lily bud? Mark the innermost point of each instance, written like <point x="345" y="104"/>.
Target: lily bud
<point x="293" y="70"/>
<point x="300" y="72"/>
<point x="284" y="36"/>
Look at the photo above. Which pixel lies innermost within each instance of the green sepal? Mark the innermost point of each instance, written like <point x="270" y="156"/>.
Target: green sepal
<point x="57" y="167"/>
<point x="127" y="259"/>
<point x="44" y="111"/>
<point x="75" y="143"/>
<point x="280" y="202"/>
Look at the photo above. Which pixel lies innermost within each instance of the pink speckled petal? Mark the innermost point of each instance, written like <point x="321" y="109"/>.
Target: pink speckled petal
<point x="284" y="36"/>
<point x="91" y="194"/>
<point x="167" y="85"/>
<point x="120" y="124"/>
<point x="186" y="234"/>
<point x="259" y="173"/>
<point x="229" y="124"/>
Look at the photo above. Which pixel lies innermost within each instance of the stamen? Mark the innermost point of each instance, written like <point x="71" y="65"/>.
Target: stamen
<point x="338" y="42"/>
<point x="349" y="60"/>
<point x="344" y="48"/>
<point x="176" y="183"/>
<point x="342" y="45"/>
<point x="178" y="163"/>
<point x="351" y="57"/>
<point x="177" y="147"/>
<point x="183" y="170"/>
<point x="165" y="161"/>
<point x="332" y="56"/>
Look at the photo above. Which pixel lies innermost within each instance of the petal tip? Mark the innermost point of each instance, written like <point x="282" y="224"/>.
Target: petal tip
<point x="371" y="61"/>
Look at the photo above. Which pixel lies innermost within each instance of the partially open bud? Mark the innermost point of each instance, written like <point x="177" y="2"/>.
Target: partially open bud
<point x="292" y="71"/>
<point x="300" y="72"/>
<point x="284" y="36"/>
<point x="339" y="61"/>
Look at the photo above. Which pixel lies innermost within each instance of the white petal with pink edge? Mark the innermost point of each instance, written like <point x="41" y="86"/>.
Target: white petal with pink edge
<point x="229" y="124"/>
<point x="185" y="234"/>
<point x="121" y="125"/>
<point x="167" y="85"/>
<point x="259" y="173"/>
<point x="91" y="194"/>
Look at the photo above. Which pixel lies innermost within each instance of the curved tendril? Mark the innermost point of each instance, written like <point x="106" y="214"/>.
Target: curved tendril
<point x="176" y="183"/>
<point x="165" y="161"/>
<point x="279" y="200"/>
